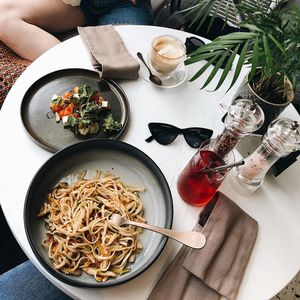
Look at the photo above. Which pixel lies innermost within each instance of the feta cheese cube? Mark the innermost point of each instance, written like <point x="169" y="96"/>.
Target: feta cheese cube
<point x="54" y="97"/>
<point x="65" y="120"/>
<point x="104" y="104"/>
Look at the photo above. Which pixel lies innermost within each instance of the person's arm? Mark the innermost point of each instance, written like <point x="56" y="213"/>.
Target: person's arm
<point x="77" y="2"/>
<point x="72" y="2"/>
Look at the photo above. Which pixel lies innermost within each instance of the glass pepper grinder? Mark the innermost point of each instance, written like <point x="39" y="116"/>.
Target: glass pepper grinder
<point x="281" y="138"/>
<point x="244" y="117"/>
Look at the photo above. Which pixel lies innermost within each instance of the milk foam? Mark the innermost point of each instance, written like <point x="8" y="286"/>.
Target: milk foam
<point x="169" y="48"/>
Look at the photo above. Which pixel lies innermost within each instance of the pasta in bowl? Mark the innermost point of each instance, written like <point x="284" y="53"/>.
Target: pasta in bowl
<point x="73" y="237"/>
<point x="80" y="237"/>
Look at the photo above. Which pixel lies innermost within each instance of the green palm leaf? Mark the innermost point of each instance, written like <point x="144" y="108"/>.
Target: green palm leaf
<point x="216" y="45"/>
<point x="239" y="65"/>
<point x="267" y="52"/>
<point x="215" y="69"/>
<point x="277" y="43"/>
<point x="228" y="66"/>
<point x="254" y="61"/>
<point x="210" y="47"/>
<point x="203" y="56"/>
<point x="203" y="69"/>
<point x="237" y="35"/>
<point x="203" y="19"/>
<point x="271" y="42"/>
<point x="251" y="27"/>
<point x="203" y="12"/>
<point x="194" y="7"/>
<point x="232" y="41"/>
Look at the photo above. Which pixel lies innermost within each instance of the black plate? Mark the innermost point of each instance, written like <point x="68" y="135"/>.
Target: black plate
<point x="53" y="136"/>
<point x="134" y="167"/>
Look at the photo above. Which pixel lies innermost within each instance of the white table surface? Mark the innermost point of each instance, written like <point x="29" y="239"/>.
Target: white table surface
<point x="276" y="256"/>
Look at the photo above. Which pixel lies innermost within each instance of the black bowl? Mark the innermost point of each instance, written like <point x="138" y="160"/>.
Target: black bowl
<point x="134" y="167"/>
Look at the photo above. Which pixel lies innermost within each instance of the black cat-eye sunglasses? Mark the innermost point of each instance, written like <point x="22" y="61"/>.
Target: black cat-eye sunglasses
<point x="165" y="134"/>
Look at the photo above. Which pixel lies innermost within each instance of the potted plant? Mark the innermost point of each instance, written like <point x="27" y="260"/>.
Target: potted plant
<point x="268" y="43"/>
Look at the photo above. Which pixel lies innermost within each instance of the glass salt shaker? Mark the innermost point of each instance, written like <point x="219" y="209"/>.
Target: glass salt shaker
<point x="281" y="138"/>
<point x="244" y="117"/>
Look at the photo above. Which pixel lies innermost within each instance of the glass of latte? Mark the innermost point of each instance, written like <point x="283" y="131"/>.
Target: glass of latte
<point x="166" y="55"/>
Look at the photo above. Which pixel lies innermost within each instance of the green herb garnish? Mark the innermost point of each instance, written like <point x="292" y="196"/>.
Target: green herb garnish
<point x="111" y="125"/>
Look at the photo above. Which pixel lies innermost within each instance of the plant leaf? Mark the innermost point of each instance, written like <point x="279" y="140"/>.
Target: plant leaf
<point x="239" y="65"/>
<point x="203" y="69"/>
<point x="189" y="10"/>
<point x="215" y="69"/>
<point x="227" y="41"/>
<point x="205" y="7"/>
<point x="233" y="41"/>
<point x="251" y="27"/>
<point x="237" y="35"/>
<point x="272" y="34"/>
<point x="203" y="56"/>
<point x="203" y="18"/>
<point x="212" y="46"/>
<point x="267" y="52"/>
<point x="254" y="60"/>
<point x="228" y="66"/>
<point x="277" y="43"/>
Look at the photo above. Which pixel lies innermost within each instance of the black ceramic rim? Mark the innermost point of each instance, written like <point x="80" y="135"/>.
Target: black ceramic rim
<point x="105" y="144"/>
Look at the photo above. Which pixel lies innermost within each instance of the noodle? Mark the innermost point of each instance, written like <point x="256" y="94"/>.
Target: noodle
<point x="80" y="237"/>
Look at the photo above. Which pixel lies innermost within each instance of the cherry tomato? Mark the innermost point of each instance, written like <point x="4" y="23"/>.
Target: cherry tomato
<point x="55" y="107"/>
<point x="67" y="95"/>
<point x="67" y="111"/>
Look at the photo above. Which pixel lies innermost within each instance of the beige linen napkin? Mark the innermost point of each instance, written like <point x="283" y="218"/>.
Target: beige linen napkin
<point x="215" y="271"/>
<point x="109" y="53"/>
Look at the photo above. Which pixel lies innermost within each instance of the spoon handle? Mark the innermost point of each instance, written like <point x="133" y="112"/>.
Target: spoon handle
<point x="153" y="78"/>
<point x="191" y="239"/>
<point x="140" y="56"/>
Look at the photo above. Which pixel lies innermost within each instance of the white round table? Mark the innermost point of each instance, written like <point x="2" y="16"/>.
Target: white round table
<point x="276" y="206"/>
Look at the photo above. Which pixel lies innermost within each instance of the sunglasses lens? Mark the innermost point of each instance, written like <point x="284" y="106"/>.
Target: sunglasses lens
<point x="196" y="41"/>
<point x="193" y="43"/>
<point x="196" y="136"/>
<point x="163" y="134"/>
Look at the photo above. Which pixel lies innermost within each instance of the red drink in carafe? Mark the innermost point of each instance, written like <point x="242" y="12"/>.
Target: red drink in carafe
<point x="195" y="186"/>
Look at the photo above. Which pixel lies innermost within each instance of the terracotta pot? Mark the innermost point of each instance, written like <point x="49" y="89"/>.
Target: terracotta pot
<point x="271" y="110"/>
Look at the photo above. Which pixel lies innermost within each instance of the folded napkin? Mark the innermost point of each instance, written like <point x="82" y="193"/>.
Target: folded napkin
<point x="215" y="271"/>
<point x="109" y="53"/>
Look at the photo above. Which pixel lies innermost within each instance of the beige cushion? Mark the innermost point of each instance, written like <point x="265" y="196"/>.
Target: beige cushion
<point x="11" y="67"/>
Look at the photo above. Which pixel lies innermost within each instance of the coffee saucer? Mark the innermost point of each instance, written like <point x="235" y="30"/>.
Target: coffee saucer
<point x="175" y="80"/>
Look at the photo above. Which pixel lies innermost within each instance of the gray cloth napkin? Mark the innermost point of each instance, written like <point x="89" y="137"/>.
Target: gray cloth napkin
<point x="109" y="53"/>
<point x="215" y="271"/>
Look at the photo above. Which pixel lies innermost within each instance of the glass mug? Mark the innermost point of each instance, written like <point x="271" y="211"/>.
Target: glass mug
<point x="166" y="55"/>
<point x="198" y="183"/>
